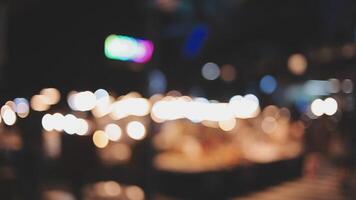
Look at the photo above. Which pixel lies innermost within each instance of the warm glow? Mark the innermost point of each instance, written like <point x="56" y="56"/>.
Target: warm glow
<point x="297" y="64"/>
<point x="227" y="125"/>
<point x="52" y="94"/>
<point x="134" y="193"/>
<point x="136" y="130"/>
<point x="100" y="139"/>
<point x="40" y="103"/>
<point x="269" y="124"/>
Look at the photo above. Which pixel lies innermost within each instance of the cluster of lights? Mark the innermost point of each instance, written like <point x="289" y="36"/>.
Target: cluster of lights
<point x="134" y="129"/>
<point x="13" y="109"/>
<point x="100" y="103"/>
<point x="126" y="48"/>
<point x="68" y="123"/>
<point x="114" y="190"/>
<point x="320" y="107"/>
<point x="45" y="99"/>
<point x="335" y="86"/>
<point x="202" y="110"/>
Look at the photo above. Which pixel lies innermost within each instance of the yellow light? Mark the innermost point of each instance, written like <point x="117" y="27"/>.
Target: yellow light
<point x="227" y="125"/>
<point x="112" y="188"/>
<point x="40" y="103"/>
<point x="134" y="193"/>
<point x="136" y="130"/>
<point x="52" y="94"/>
<point x="297" y="64"/>
<point x="100" y="139"/>
<point x="113" y="132"/>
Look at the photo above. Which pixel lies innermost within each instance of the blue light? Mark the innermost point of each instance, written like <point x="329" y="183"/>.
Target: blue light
<point x="268" y="84"/>
<point x="157" y="82"/>
<point x="195" y="41"/>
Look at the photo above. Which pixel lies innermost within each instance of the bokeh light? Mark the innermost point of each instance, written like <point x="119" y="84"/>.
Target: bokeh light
<point x="136" y="130"/>
<point x="297" y="64"/>
<point x="52" y="94"/>
<point x="8" y="115"/>
<point x="134" y="193"/>
<point x="268" y="84"/>
<point x="317" y="107"/>
<point x="210" y="71"/>
<point x="347" y="86"/>
<point x="100" y="139"/>
<point x="113" y="132"/>
<point x="330" y="106"/>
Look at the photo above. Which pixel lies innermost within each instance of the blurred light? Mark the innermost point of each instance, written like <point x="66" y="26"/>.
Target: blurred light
<point x="113" y="132"/>
<point x="210" y="71"/>
<point x="269" y="124"/>
<point x="121" y="151"/>
<point x="82" y="101"/>
<point x="101" y="94"/>
<point x="83" y="127"/>
<point x="58" y="119"/>
<point x="130" y="106"/>
<point x="228" y="73"/>
<point x="112" y="189"/>
<point x="227" y="125"/>
<point x="47" y="122"/>
<point x="136" y="130"/>
<point x="268" y="84"/>
<point x="52" y="144"/>
<point x="70" y="124"/>
<point x="297" y="64"/>
<point x="317" y="107"/>
<point x="195" y="41"/>
<point x="347" y="86"/>
<point x="134" y="193"/>
<point x="57" y="194"/>
<point x="52" y="94"/>
<point x="100" y="139"/>
<point x="167" y="5"/>
<point x="244" y="107"/>
<point x="334" y="85"/>
<point x="40" y="103"/>
<point x="126" y="48"/>
<point x="330" y="106"/>
<point x="22" y="107"/>
<point x="316" y="88"/>
<point x="157" y="82"/>
<point x="8" y="115"/>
